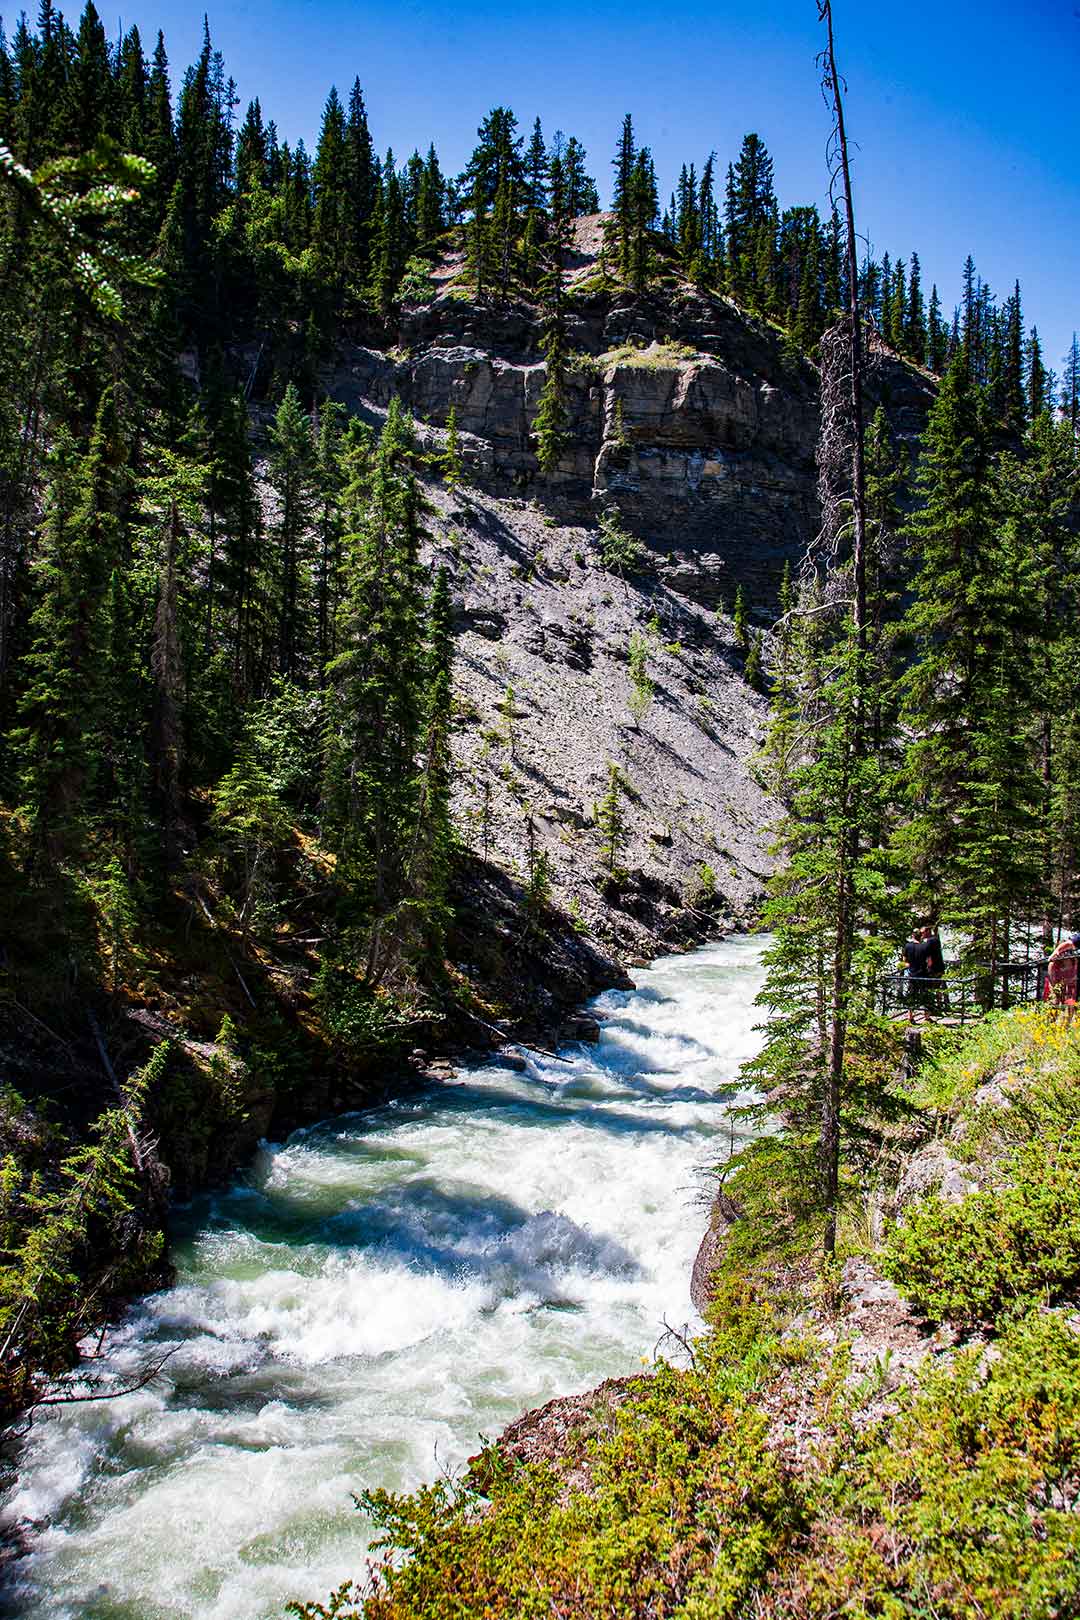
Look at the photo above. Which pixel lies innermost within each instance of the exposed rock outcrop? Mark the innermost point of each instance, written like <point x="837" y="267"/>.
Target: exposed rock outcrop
<point x="694" y="419"/>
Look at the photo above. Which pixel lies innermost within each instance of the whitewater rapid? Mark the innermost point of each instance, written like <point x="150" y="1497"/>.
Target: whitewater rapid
<point x="377" y="1293"/>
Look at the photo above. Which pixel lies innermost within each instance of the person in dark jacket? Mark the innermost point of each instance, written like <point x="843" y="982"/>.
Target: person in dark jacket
<point x="914" y="954"/>
<point x="933" y="967"/>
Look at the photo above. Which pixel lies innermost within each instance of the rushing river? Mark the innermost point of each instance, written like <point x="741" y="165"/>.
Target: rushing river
<point x="378" y="1292"/>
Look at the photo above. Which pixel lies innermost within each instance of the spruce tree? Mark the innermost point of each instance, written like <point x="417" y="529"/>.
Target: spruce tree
<point x="1070" y="386"/>
<point x="550" y="425"/>
<point x="1036" y="377"/>
<point x="915" y="336"/>
<point x="57" y="740"/>
<point x="372" y="786"/>
<point x="968" y="700"/>
<point x="622" y="202"/>
<point x="432" y="865"/>
<point x="291" y="467"/>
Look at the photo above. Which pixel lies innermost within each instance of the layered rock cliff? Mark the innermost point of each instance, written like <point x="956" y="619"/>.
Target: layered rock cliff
<point x="696" y="425"/>
<point x="695" y="420"/>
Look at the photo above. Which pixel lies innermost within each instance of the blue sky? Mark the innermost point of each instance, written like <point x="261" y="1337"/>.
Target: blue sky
<point x="965" y="114"/>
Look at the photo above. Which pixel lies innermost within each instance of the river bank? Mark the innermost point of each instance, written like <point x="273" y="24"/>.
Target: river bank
<point x="379" y="1292"/>
<point x="895" y="1432"/>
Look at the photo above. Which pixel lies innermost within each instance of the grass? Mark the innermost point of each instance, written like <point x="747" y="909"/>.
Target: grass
<point x="657" y="357"/>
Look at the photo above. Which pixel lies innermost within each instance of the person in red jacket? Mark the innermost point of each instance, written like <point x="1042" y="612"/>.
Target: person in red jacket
<point x="1061" y="977"/>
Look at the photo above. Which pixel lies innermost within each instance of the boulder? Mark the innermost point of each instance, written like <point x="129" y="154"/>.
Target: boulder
<point x="581" y="1027"/>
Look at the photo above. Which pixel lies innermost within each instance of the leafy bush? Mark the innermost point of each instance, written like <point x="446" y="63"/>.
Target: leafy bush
<point x="416" y="285"/>
<point x="1012" y="1246"/>
<point x="361" y="1020"/>
<point x="964" y="1504"/>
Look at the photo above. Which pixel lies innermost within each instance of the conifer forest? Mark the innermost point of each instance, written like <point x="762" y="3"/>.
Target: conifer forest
<point x="429" y="601"/>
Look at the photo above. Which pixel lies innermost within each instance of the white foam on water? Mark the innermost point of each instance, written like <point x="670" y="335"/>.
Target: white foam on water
<point x="378" y="1293"/>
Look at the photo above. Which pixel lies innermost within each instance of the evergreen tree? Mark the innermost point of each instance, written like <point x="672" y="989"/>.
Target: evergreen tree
<point x="361" y="183"/>
<point x="581" y="195"/>
<point x="750" y="223"/>
<point x="1070" y="386"/>
<point x="915" y="337"/>
<point x="389" y="248"/>
<point x="451" y="457"/>
<point x="377" y="701"/>
<point x="291" y="468"/>
<point x="430" y="204"/>
<point x="58" y="737"/>
<point x="968" y="702"/>
<point x="936" y="336"/>
<point x="643" y="210"/>
<point x="551" y="423"/>
<point x="622" y="202"/>
<point x="328" y="488"/>
<point x="433" y="865"/>
<point x="1013" y="404"/>
<point x="332" y="227"/>
<point x="1036" y="377"/>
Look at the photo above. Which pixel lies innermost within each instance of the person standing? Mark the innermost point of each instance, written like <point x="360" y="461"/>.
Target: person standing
<point x="933" y="966"/>
<point x="1061" y="977"/>
<point x="914" y="954"/>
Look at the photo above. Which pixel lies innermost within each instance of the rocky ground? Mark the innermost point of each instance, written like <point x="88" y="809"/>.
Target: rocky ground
<point x="546" y="705"/>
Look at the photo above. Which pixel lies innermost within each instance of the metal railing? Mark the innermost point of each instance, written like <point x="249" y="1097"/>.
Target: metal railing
<point x="964" y="991"/>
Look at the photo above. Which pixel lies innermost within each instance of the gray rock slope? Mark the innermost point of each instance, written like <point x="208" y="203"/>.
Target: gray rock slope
<point x="543" y="701"/>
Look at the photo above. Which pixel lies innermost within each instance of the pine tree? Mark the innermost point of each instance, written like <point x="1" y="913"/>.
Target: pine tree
<point x="480" y="255"/>
<point x="361" y="183"/>
<point x="936" y="336"/>
<point x="750" y="215"/>
<point x="611" y="822"/>
<point x="159" y="143"/>
<point x="431" y="204"/>
<point x="550" y="425"/>
<point x="915" y="338"/>
<point x="372" y="784"/>
<point x="58" y="737"/>
<point x="389" y="247"/>
<point x="622" y="203"/>
<point x="1070" y="386"/>
<point x="328" y="482"/>
<point x="968" y="703"/>
<point x="451" y="456"/>
<point x="1013" y="403"/>
<point x="332" y="228"/>
<point x="644" y="207"/>
<point x="432" y="866"/>
<point x="1036" y="377"/>
<point x="89" y="108"/>
<point x="581" y="193"/>
<point x="742" y="638"/>
<point x="291" y="467"/>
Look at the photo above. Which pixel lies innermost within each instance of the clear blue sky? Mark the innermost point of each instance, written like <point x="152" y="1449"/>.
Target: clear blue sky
<point x="966" y="114"/>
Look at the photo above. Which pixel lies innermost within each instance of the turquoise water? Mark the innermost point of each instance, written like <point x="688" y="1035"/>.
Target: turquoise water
<point x="377" y="1293"/>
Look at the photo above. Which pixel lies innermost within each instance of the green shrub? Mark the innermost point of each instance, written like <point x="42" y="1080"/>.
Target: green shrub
<point x="360" y="1020"/>
<point x="1009" y="1247"/>
<point x="416" y="285"/>
<point x="963" y="1505"/>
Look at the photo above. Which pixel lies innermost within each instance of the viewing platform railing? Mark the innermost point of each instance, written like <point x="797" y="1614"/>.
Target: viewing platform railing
<point x="964" y="991"/>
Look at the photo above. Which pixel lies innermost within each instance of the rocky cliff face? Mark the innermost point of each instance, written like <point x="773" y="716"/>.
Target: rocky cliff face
<point x="698" y="425"/>
<point x="696" y="421"/>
